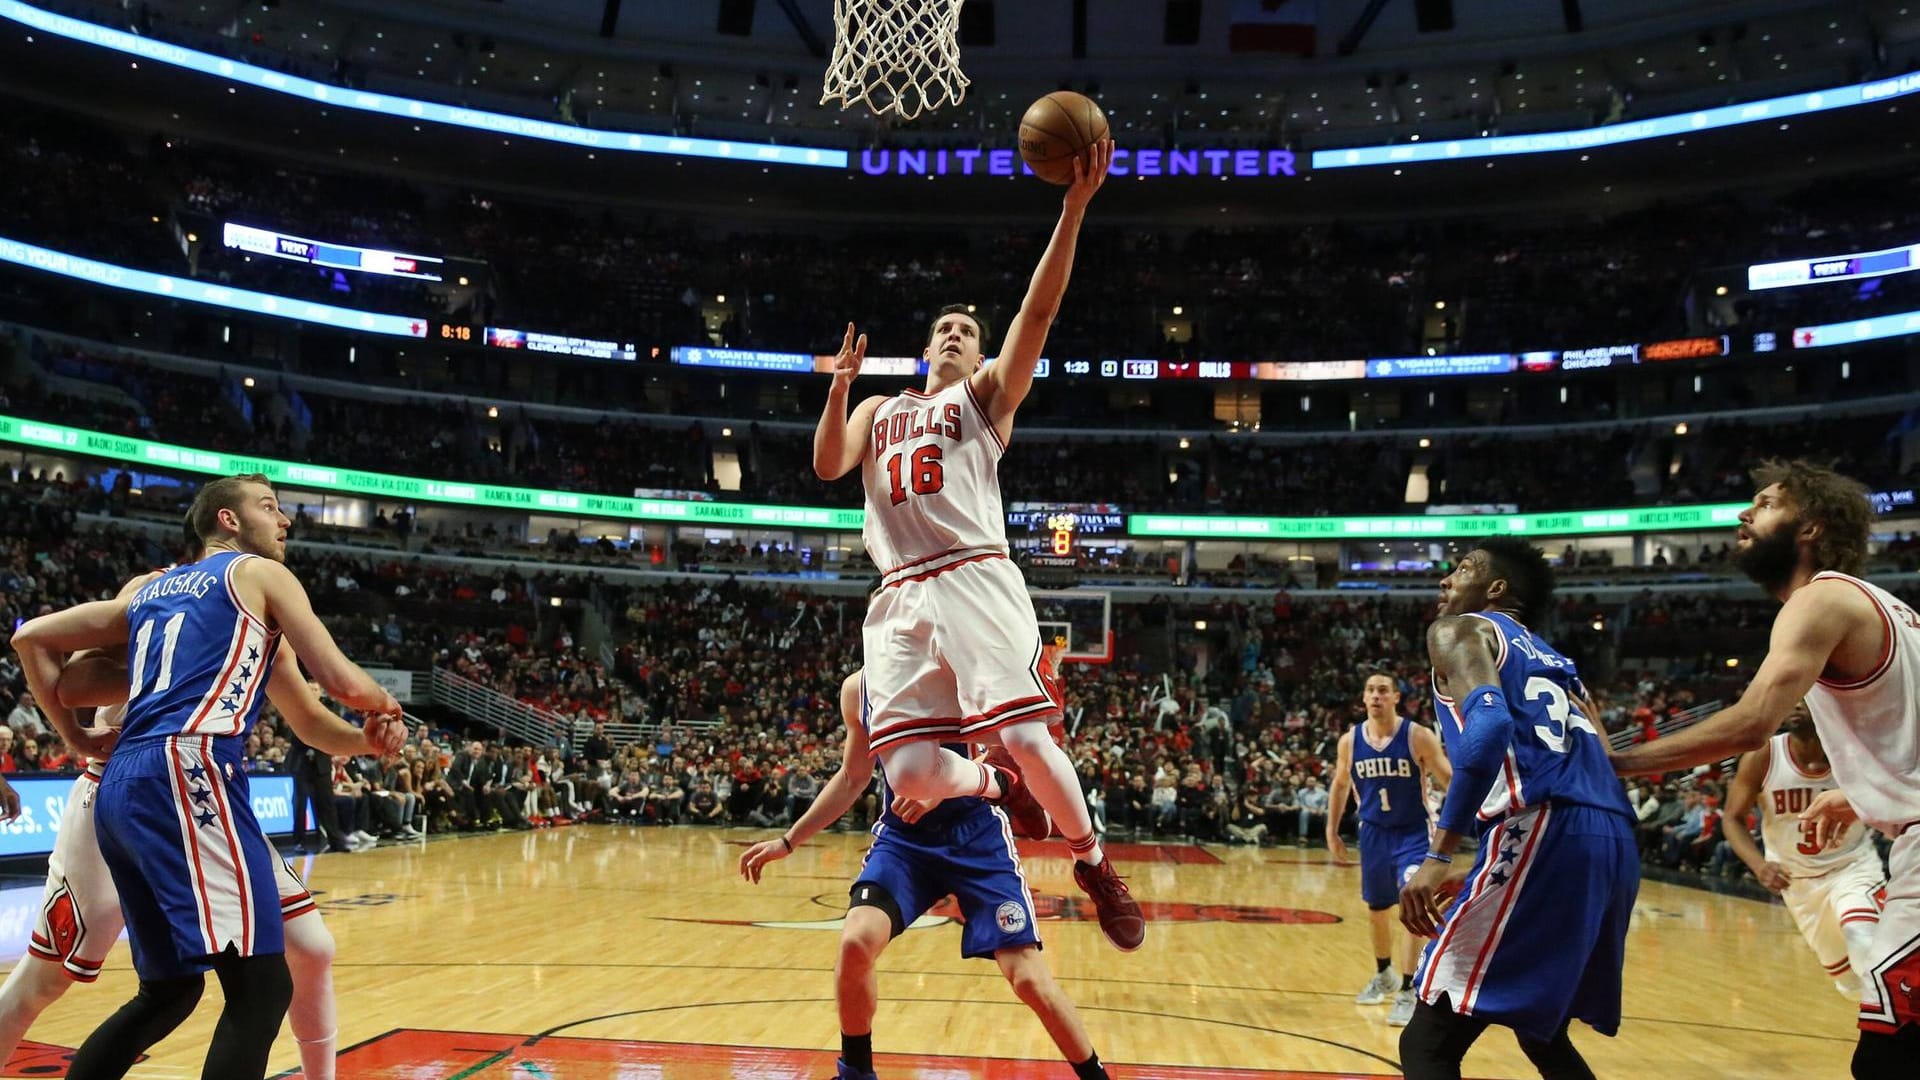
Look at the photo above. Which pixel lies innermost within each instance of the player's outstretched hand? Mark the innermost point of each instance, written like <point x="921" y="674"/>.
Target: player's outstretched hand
<point x="386" y="734"/>
<point x="912" y="810"/>
<point x="1425" y="896"/>
<point x="846" y="364"/>
<point x="9" y="801"/>
<point x="1834" y="813"/>
<point x="759" y="855"/>
<point x="1773" y="877"/>
<point x="1089" y="172"/>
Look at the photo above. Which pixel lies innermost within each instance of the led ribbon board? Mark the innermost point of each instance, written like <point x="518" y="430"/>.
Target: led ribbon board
<point x="1438" y="526"/>
<point x="410" y="109"/>
<point x="1865" y="264"/>
<point x="337" y="256"/>
<point x="1687" y="123"/>
<point x="164" y="456"/>
<point x="1846" y="333"/>
<point x="156" y="455"/>
<point x="200" y="292"/>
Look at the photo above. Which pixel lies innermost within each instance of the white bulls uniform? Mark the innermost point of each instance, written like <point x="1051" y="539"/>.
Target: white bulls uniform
<point x="1871" y="731"/>
<point x="1834" y="896"/>
<point x="952" y="647"/>
<point x="80" y="918"/>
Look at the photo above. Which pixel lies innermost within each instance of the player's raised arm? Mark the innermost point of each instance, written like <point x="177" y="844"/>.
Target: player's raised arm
<point x="836" y="797"/>
<point x="1733" y="818"/>
<point x="1340" y="791"/>
<point x="319" y="726"/>
<point x="1815" y="620"/>
<point x="840" y="441"/>
<point x="1465" y="652"/>
<point x="283" y="601"/>
<point x="1003" y="384"/>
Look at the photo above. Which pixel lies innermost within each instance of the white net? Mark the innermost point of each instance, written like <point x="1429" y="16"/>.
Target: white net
<point x="896" y="56"/>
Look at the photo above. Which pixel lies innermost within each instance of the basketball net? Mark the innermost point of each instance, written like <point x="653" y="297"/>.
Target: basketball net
<point x="896" y="56"/>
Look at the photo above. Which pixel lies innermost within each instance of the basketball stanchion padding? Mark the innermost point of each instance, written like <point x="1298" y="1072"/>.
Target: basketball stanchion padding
<point x="896" y="56"/>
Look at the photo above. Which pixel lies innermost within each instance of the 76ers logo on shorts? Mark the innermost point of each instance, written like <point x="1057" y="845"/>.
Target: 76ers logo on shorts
<point x="1012" y="917"/>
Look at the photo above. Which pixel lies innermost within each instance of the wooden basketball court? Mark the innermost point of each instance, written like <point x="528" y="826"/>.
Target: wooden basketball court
<point x="603" y="952"/>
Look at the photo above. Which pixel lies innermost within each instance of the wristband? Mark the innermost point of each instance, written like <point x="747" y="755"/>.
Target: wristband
<point x="1436" y="856"/>
<point x="787" y="842"/>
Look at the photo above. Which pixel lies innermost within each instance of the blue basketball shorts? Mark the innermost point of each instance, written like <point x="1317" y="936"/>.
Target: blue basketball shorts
<point x="973" y="860"/>
<point x="194" y="871"/>
<point x="1538" y="934"/>
<point x="1388" y="857"/>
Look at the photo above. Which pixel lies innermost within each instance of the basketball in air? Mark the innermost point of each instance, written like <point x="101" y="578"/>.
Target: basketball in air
<point x="1055" y="130"/>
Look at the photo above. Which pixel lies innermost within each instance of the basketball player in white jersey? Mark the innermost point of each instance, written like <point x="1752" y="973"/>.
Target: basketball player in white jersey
<point x="1832" y="889"/>
<point x="1852" y="651"/>
<point x="952" y="653"/>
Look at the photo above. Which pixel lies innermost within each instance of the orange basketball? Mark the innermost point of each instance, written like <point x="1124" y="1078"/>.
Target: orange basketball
<point x="1055" y="130"/>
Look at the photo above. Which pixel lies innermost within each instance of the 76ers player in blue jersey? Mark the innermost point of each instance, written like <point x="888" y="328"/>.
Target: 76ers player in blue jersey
<point x="193" y="869"/>
<point x="922" y="852"/>
<point x="1538" y="934"/>
<point x="1388" y="760"/>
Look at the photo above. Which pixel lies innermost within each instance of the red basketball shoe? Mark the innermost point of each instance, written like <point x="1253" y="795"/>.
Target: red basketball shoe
<point x="1028" y="816"/>
<point x="1120" y="917"/>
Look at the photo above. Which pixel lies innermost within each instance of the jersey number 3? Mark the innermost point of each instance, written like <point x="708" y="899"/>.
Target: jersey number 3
<point x="923" y="471"/>
<point x="1809" y="838"/>
<point x="1560" y="712"/>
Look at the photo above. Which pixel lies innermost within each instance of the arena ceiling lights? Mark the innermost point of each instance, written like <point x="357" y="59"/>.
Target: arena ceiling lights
<point x="1678" y="124"/>
<point x="200" y="292"/>
<point x="412" y="110"/>
<point x="146" y="454"/>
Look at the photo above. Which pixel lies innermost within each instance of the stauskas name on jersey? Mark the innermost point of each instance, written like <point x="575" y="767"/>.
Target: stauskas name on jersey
<point x="196" y="582"/>
<point x="910" y="424"/>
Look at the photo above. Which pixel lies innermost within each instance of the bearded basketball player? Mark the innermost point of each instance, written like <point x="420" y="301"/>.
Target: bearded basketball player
<point x="1852" y="651"/>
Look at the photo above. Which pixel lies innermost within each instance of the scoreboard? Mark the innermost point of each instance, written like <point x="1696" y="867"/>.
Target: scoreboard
<point x="1059" y="523"/>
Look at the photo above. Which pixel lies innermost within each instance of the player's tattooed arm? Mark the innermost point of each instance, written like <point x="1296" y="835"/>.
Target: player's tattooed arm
<point x="1465" y="652"/>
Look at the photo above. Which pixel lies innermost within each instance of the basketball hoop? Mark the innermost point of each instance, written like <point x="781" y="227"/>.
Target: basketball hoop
<point x="896" y="56"/>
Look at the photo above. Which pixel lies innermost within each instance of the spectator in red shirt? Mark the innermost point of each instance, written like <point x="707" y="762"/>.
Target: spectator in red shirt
<point x="6" y="750"/>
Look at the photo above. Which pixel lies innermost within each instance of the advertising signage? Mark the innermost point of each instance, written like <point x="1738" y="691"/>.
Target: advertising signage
<point x="156" y="455"/>
<point x="1437" y="526"/>
<point x="162" y="456"/>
